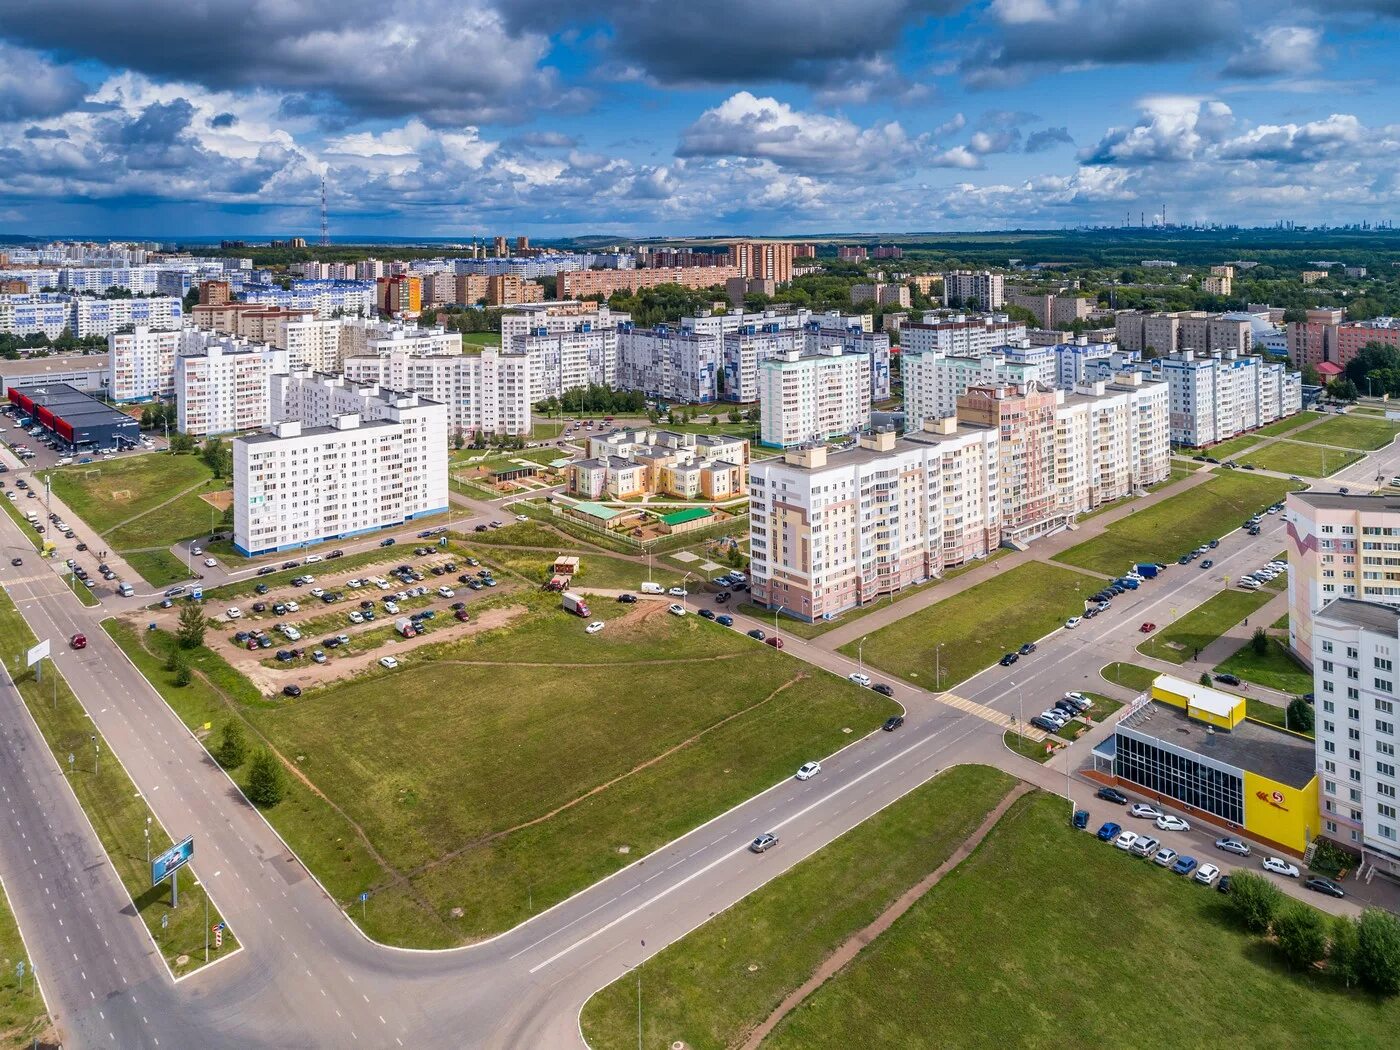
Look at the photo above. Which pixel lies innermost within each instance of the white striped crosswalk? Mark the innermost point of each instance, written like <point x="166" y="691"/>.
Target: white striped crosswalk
<point x="989" y="714"/>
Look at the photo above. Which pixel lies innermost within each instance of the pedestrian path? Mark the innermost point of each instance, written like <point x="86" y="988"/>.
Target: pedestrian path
<point x="990" y="714"/>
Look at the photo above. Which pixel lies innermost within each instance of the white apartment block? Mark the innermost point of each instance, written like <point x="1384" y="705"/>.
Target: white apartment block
<point x="142" y="364"/>
<point x="1110" y="441"/>
<point x="310" y="341"/>
<point x="980" y="287"/>
<point x="668" y="363"/>
<point x="933" y="382"/>
<point x="564" y="315"/>
<point x="1356" y="648"/>
<point x="748" y="347"/>
<point x="223" y="385"/>
<point x="1078" y="362"/>
<point x="853" y="338"/>
<point x="487" y="392"/>
<point x="105" y="316"/>
<point x="735" y="320"/>
<point x="829" y="532"/>
<point x="362" y="336"/>
<point x="566" y="359"/>
<point x="813" y="397"/>
<point x="960" y="334"/>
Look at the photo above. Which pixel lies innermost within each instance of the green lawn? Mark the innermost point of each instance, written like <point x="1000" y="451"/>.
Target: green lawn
<point x="1177" y="642"/>
<point x="482" y="338"/>
<point x="1232" y="448"/>
<point x="522" y="534"/>
<point x="1129" y="676"/>
<point x="1027" y="748"/>
<point x="1276" y="669"/>
<point x="1105" y="707"/>
<point x="506" y="727"/>
<point x="546" y="431"/>
<point x="1179" y="471"/>
<point x="715" y="985"/>
<point x="974" y="961"/>
<point x="159" y="567"/>
<point x="1262" y="711"/>
<point x="111" y="801"/>
<point x="23" y="1018"/>
<point x="1289" y="424"/>
<point x="1353" y="432"/>
<point x="1281" y="624"/>
<point x="1297" y="457"/>
<point x="1165" y="531"/>
<point x="12" y="509"/>
<point x="978" y="625"/>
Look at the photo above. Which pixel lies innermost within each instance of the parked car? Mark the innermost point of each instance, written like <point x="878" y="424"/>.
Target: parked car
<point x="1027" y="648"/>
<point x="1166" y="857"/>
<point x="1142" y="809"/>
<point x="725" y="621"/>
<point x="627" y="599"/>
<point x="1279" y="866"/>
<point x="389" y="662"/>
<point x="1327" y="886"/>
<point x="1125" y="840"/>
<point x="1206" y="874"/>
<point x="1170" y="822"/>
<point x="1081" y="819"/>
<point x="1008" y="659"/>
<point x="1184" y="865"/>
<point x="594" y="627"/>
<point x="291" y="690"/>
<point x="1145" y="846"/>
<point x="1073" y="622"/>
<point x="674" y="610"/>
<point x="774" y="640"/>
<point x="883" y="689"/>
<point x="859" y="678"/>
<point x="1109" y="794"/>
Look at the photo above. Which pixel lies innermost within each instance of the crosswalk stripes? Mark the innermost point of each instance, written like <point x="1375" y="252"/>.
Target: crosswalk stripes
<point x="989" y="714"/>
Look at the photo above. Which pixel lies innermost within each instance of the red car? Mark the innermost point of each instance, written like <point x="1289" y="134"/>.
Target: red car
<point x="1148" y="628"/>
<point x="78" y="641"/>
<point x="775" y="642"/>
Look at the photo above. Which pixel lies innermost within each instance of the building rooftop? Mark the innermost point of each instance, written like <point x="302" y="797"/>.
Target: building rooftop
<point x="268" y="436"/>
<point x="1361" y="614"/>
<point x="1352" y="502"/>
<point x="680" y="517"/>
<point x="1252" y="746"/>
<point x="596" y="510"/>
<point x="39" y="366"/>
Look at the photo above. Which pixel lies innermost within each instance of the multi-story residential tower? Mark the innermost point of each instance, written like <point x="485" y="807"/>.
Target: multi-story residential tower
<point x="813" y="397"/>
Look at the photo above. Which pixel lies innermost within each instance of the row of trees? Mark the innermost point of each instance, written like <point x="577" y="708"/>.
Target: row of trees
<point x="596" y="399"/>
<point x="1359" y="952"/>
<point x="158" y="416"/>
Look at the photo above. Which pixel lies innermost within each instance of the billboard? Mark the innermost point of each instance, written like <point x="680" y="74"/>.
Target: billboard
<point x="37" y="653"/>
<point x="176" y="857"/>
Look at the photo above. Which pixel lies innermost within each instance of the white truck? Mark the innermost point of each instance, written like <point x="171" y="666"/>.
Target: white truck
<point x="652" y="588"/>
<point x="575" y="604"/>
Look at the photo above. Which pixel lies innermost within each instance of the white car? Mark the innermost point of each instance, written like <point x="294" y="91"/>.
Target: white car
<point x="210" y="563"/>
<point x="1125" y="840"/>
<point x="391" y="607"/>
<point x="233" y="612"/>
<point x="389" y="662"/>
<point x="1168" y="822"/>
<point x="382" y="584"/>
<point x="594" y="627"/>
<point x="1142" y="809"/>
<point x="196" y="551"/>
<point x="677" y="592"/>
<point x="675" y="610"/>
<point x="1279" y="867"/>
<point x="860" y="678"/>
<point x="809" y="770"/>
<point x="522" y="517"/>
<point x="356" y="617"/>
<point x="293" y="635"/>
<point x="310" y="558"/>
<point x="316" y="592"/>
<point x="1206" y="874"/>
<point x="1073" y="622"/>
<point x="357" y="582"/>
<point x="293" y="606"/>
<point x="446" y="592"/>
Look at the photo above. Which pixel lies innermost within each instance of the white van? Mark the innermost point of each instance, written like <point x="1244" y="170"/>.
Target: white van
<point x="652" y="588"/>
<point x="65" y="461"/>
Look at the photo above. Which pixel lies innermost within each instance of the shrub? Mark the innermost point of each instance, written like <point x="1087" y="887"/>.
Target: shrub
<point x="1254" y="900"/>
<point x="1205" y="679"/>
<point x="1378" y="951"/>
<point x="267" y="781"/>
<point x="1300" y="716"/>
<point x="1344" y="957"/>
<point x="1259" y="642"/>
<point x="1301" y="933"/>
<point x="233" y="747"/>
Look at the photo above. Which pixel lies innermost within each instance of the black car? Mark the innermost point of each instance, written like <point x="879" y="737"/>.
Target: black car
<point x="1081" y="819"/>
<point x="290" y="564"/>
<point x="1228" y="679"/>
<point x="722" y="597"/>
<point x="480" y="528"/>
<point x="291" y="690"/>
<point x="267" y="569"/>
<point x="387" y="543"/>
<point x="708" y="614"/>
<point x="1344" y="490"/>
<point x="336" y="554"/>
<point x="1040" y="722"/>
<point x="261" y="588"/>
<point x="422" y="552"/>
<point x="756" y="633"/>
<point x="1327" y="886"/>
<point x="627" y="599"/>
<point x="1027" y="649"/>
<point x="366" y="604"/>
<point x="459" y="605"/>
<point x="1213" y="544"/>
<point x="892" y="723"/>
<point x="1009" y="659"/>
<point x="16" y="561"/>
<point x="1109" y="794"/>
<point x="259" y="607"/>
<point x="1223" y="885"/>
<point x="883" y="690"/>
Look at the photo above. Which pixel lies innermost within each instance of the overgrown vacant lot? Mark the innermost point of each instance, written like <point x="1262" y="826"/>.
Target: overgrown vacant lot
<point x="1167" y="530"/>
<point x="517" y="766"/>
<point x="977" y="626"/>
<point x="981" y="961"/>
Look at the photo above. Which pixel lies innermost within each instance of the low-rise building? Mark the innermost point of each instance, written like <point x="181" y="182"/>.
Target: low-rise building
<point x="627" y="464"/>
<point x="86" y="373"/>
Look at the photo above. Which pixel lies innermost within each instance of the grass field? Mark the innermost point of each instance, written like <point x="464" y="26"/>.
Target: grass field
<point x="722" y="980"/>
<point x="12" y="509"/>
<point x="482" y="338"/>
<point x="1297" y="457"/>
<point x="1276" y="669"/>
<point x="1177" y="642"/>
<point x="23" y="1019"/>
<point x="547" y="430"/>
<point x="158" y="567"/>
<point x="113" y="805"/>
<point x="1232" y="448"/>
<point x="1027" y="748"/>
<point x="1352" y="432"/>
<point x="482" y="834"/>
<point x="973" y="961"/>
<point x="1129" y="676"/>
<point x="1289" y="424"/>
<point x="597" y="570"/>
<point x="1167" y="530"/>
<point x="1179" y="471"/>
<point x="975" y="627"/>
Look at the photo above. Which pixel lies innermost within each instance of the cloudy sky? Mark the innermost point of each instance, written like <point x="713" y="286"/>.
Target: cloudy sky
<point x="546" y="117"/>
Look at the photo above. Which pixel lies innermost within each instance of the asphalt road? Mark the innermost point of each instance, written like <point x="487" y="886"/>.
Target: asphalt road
<point x="306" y="977"/>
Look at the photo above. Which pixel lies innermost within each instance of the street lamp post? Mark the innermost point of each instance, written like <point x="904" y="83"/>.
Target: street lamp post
<point x="147" y="830"/>
<point x="776" y="611"/>
<point x="860" y="655"/>
<point x="938" y="666"/>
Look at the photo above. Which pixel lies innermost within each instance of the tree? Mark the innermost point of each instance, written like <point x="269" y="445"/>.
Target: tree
<point x="1344" y="958"/>
<point x="1378" y="950"/>
<point x="267" y="782"/>
<point x="1205" y="678"/>
<point x="458" y="439"/>
<point x="1259" y="642"/>
<point x="217" y="456"/>
<point x="147" y="418"/>
<point x="1254" y="900"/>
<point x="1342" y="389"/>
<point x="190" y="633"/>
<point x="233" y="747"/>
<point x="182" y="669"/>
<point x="1300" y="715"/>
<point x="1301" y="933"/>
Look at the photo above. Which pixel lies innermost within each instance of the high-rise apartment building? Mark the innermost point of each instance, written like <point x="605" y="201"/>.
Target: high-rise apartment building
<point x="745" y="349"/>
<point x="763" y="260"/>
<point x="506" y="289"/>
<point x="214" y="293"/>
<point x="569" y="359"/>
<point x="974" y="289"/>
<point x="558" y="316"/>
<point x="223" y="385"/>
<point x="852" y="253"/>
<point x="576" y="284"/>
<point x="813" y="397"/>
<point x="1025" y="421"/>
<point x="668" y="363"/>
<point x="142" y="363"/>
<point x="400" y="295"/>
<point x="960" y="334"/>
<point x="485" y="393"/>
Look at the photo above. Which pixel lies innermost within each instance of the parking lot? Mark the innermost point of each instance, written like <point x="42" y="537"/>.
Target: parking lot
<point x="41" y="450"/>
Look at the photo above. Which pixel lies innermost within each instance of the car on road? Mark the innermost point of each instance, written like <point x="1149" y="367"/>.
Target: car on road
<point x="387" y="542"/>
<point x="1279" y="866"/>
<point x="724" y="621"/>
<point x="1327" y="886"/>
<point x="1125" y="840"/>
<point x="1081" y="819"/>
<point x="233" y="612"/>
<point x="1228" y="679"/>
<point x="1170" y="822"/>
<point x="1166" y="857"/>
<point x="774" y="641"/>
<point x="291" y="690"/>
<point x="1109" y="794"/>
<point x="1008" y="659"/>
<point x="311" y="558"/>
<point x="1073" y="622"/>
<point x="1148" y="628"/>
<point x="1108" y="832"/>
<point x="78" y="641"/>
<point x="196" y="551"/>
<point x="389" y="662"/>
<point x="1207" y="563"/>
<point x="16" y="561"/>
<point x="210" y="563"/>
<point x="594" y="627"/>
<point x="1142" y="809"/>
<point x="1206" y="874"/>
<point x="1027" y="648"/>
<point x="676" y="610"/>
<point x="859" y="678"/>
<point x="677" y="592"/>
<point x="883" y="689"/>
<point x="1184" y="865"/>
<point x="808" y="770"/>
<point x="627" y="599"/>
<point x="763" y="843"/>
<point x="892" y="723"/>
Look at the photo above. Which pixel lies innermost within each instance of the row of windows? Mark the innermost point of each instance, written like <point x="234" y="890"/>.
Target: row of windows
<point x="1181" y="778"/>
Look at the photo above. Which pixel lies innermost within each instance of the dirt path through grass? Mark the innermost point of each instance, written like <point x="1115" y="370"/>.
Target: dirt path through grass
<point x="857" y="942"/>
<point x="151" y="510"/>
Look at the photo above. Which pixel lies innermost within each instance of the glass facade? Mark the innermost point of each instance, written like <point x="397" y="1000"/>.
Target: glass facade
<point x="1177" y="775"/>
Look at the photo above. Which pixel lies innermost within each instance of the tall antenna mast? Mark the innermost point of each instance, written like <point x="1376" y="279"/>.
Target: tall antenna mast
<point x="325" y="223"/>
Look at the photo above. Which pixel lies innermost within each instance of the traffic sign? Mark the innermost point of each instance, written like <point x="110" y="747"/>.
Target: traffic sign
<point x="176" y="857"/>
<point x="164" y="920"/>
<point x="19" y="970"/>
<point x="218" y="934"/>
<point x="37" y="653"/>
<point x="364" y="896"/>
